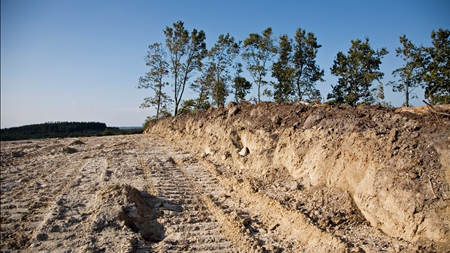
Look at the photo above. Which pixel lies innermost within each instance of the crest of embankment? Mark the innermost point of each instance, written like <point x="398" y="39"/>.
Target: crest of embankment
<point x="395" y="166"/>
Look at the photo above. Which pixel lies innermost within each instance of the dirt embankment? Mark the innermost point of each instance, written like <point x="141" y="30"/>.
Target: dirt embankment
<point x="356" y="173"/>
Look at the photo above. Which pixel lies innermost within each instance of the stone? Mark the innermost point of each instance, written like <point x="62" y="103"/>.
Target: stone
<point x="294" y="186"/>
<point x="276" y="120"/>
<point x="246" y="221"/>
<point x="77" y="142"/>
<point x="312" y="120"/>
<point x="233" y="111"/>
<point x="244" y="151"/>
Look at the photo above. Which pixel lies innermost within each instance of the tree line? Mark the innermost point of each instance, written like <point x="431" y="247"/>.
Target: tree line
<point x="292" y="64"/>
<point x="61" y="130"/>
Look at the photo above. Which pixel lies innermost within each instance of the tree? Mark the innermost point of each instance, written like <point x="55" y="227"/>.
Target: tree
<point x="186" y="54"/>
<point x="161" y="100"/>
<point x="283" y="71"/>
<point x="436" y="68"/>
<point x="221" y="57"/>
<point x="240" y="85"/>
<point x="209" y="86"/>
<point x="307" y="73"/>
<point x="410" y="72"/>
<point x="258" y="50"/>
<point x="156" y="60"/>
<point x="188" y="106"/>
<point x="202" y="85"/>
<point x="357" y="70"/>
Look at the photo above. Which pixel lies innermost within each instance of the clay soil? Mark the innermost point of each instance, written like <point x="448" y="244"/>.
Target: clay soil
<point x="244" y="178"/>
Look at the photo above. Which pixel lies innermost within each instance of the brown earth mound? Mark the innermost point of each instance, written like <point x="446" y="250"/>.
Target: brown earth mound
<point x="375" y="178"/>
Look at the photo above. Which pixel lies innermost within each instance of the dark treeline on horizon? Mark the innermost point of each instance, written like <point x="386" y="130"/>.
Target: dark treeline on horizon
<point x="61" y="130"/>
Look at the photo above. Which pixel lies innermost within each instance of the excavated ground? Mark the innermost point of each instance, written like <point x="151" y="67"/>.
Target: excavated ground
<point x="245" y="178"/>
<point x="376" y="179"/>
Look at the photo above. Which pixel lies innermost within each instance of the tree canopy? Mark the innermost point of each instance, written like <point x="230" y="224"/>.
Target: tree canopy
<point x="409" y="73"/>
<point x="258" y="51"/>
<point x="156" y="60"/>
<point x="436" y="68"/>
<point x="356" y="71"/>
<point x="283" y="71"/>
<point x="186" y="51"/>
<point x="240" y="85"/>
<point x="291" y="65"/>
<point x="61" y="130"/>
<point x="307" y="72"/>
<point x="221" y="57"/>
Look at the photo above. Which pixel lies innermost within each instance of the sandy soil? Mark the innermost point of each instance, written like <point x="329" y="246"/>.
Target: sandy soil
<point x="136" y="194"/>
<point x="376" y="179"/>
<point x="102" y="194"/>
<point x="265" y="178"/>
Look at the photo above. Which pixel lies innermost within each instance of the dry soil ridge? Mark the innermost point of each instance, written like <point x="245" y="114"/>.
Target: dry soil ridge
<point x="382" y="172"/>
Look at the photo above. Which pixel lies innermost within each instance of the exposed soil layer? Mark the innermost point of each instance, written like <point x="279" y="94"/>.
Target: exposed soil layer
<point x="245" y="178"/>
<point x="374" y="178"/>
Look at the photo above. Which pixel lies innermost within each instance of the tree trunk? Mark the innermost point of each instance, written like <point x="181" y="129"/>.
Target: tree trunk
<point x="259" y="87"/>
<point x="407" y="93"/>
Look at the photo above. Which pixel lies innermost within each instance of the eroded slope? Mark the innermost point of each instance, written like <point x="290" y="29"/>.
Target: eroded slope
<point x="375" y="178"/>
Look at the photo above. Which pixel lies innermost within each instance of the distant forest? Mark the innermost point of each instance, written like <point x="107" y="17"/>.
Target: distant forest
<point x="61" y="130"/>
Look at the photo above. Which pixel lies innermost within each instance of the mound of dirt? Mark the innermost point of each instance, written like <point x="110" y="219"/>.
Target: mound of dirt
<point x="368" y="176"/>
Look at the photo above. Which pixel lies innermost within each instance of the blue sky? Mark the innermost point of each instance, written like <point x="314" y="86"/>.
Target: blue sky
<point x="81" y="60"/>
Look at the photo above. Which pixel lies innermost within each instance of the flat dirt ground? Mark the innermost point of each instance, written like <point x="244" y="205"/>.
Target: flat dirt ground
<point x="187" y="192"/>
<point x="134" y="194"/>
<point x="105" y="194"/>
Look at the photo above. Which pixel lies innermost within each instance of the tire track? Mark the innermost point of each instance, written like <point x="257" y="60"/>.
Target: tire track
<point x="28" y="198"/>
<point x="36" y="188"/>
<point x="138" y="194"/>
<point x="83" y="216"/>
<point x="189" y="225"/>
<point x="254" y="221"/>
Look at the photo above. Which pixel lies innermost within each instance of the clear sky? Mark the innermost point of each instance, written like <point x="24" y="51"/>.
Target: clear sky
<point x="80" y="60"/>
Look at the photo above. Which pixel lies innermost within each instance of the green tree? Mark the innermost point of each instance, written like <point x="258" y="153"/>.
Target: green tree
<point x="221" y="58"/>
<point x="202" y="85"/>
<point x="357" y="70"/>
<point x="258" y="51"/>
<point x="409" y="74"/>
<point x="188" y="106"/>
<point x="161" y="99"/>
<point x="283" y="71"/>
<point x="307" y="72"/>
<point x="240" y="85"/>
<point x="219" y="93"/>
<point x="436" y="68"/>
<point x="186" y="54"/>
<point x="156" y="60"/>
